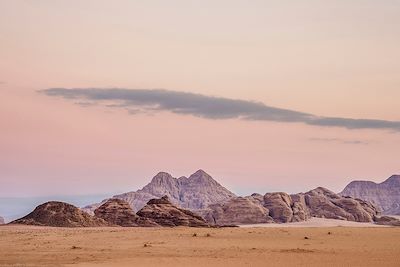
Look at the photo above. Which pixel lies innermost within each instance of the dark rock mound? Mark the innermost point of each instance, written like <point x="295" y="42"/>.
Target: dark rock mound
<point x="1" y="220"/>
<point x="119" y="212"/>
<point x="387" y="220"/>
<point x="60" y="214"/>
<point x="164" y="213"/>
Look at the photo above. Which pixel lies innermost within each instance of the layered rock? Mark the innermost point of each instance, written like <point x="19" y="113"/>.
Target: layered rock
<point x="385" y="195"/>
<point x="164" y="213"/>
<point x="326" y="204"/>
<point x="280" y="207"/>
<point x="239" y="210"/>
<point x="60" y="214"/>
<point x="194" y="193"/>
<point x="119" y="212"/>
<point x="1" y="220"/>
<point x="387" y="220"/>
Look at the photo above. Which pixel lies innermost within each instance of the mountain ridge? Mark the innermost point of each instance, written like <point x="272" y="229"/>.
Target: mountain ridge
<point x="385" y="195"/>
<point x="194" y="192"/>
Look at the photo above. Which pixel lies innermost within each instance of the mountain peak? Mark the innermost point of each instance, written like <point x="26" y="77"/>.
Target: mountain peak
<point x="392" y="180"/>
<point x="200" y="172"/>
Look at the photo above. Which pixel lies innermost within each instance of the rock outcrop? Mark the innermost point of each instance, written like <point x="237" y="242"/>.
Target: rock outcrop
<point x="1" y="220"/>
<point x="279" y="206"/>
<point x="119" y="212"/>
<point x="283" y="208"/>
<point x="324" y="203"/>
<point x="387" y="220"/>
<point x="385" y="195"/>
<point x="238" y="210"/>
<point x="194" y="193"/>
<point x="164" y="213"/>
<point x="60" y="214"/>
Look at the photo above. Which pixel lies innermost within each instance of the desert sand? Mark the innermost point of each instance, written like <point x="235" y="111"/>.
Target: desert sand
<point x="182" y="246"/>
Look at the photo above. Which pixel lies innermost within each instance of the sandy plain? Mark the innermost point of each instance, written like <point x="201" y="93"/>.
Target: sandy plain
<point x="28" y="246"/>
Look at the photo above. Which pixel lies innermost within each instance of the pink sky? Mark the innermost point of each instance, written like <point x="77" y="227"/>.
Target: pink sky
<point x="336" y="59"/>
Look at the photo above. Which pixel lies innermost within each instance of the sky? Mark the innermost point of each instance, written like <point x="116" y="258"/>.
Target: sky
<point x="96" y="97"/>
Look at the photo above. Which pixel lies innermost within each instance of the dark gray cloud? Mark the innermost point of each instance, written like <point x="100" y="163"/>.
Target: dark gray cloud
<point x="208" y="107"/>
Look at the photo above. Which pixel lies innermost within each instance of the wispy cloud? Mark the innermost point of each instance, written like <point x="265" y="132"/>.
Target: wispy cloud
<point x="209" y="107"/>
<point x="339" y="140"/>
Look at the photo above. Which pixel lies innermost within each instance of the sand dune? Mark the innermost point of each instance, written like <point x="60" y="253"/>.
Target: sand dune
<point x="324" y="246"/>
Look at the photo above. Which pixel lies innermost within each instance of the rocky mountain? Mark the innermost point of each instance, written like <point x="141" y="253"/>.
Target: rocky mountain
<point x="119" y="212"/>
<point x="282" y="208"/>
<point x="194" y="193"/>
<point x="164" y="213"/>
<point x="385" y="195"/>
<point x="60" y="214"/>
<point x="1" y="220"/>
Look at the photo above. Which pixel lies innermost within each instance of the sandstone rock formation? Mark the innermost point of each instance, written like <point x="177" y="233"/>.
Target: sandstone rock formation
<point x="386" y="220"/>
<point x="164" y="213"/>
<point x="194" y="193"/>
<point x="326" y="204"/>
<point x="60" y="214"/>
<point x="1" y="220"/>
<point x="119" y="212"/>
<point x="279" y="206"/>
<point x="238" y="210"/>
<point x="385" y="195"/>
<point x="282" y="208"/>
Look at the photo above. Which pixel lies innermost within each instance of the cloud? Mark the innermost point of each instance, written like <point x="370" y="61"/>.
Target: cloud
<point x="339" y="140"/>
<point x="210" y="107"/>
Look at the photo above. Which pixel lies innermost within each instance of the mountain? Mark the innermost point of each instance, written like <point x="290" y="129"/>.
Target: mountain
<point x="194" y="193"/>
<point x="60" y="214"/>
<point x="164" y="213"/>
<point x="280" y="207"/>
<point x="1" y="220"/>
<point x="385" y="195"/>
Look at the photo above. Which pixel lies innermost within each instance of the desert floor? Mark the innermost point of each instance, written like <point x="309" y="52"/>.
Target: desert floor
<point x="262" y="246"/>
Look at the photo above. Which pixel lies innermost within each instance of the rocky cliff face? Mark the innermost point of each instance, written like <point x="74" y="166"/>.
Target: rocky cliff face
<point x="238" y="210"/>
<point x="1" y="220"/>
<point x="194" y="193"/>
<point x="119" y="212"/>
<point x="60" y="214"/>
<point x="283" y="208"/>
<point x="385" y="195"/>
<point x="164" y="213"/>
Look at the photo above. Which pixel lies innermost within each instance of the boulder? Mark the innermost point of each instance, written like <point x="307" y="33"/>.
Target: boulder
<point x="1" y="220"/>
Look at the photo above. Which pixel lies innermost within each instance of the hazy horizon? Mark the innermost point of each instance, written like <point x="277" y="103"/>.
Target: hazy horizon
<point x="96" y="97"/>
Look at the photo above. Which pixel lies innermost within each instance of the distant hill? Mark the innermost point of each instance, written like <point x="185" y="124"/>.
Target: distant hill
<point x="60" y="214"/>
<point x="194" y="193"/>
<point x="385" y="195"/>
